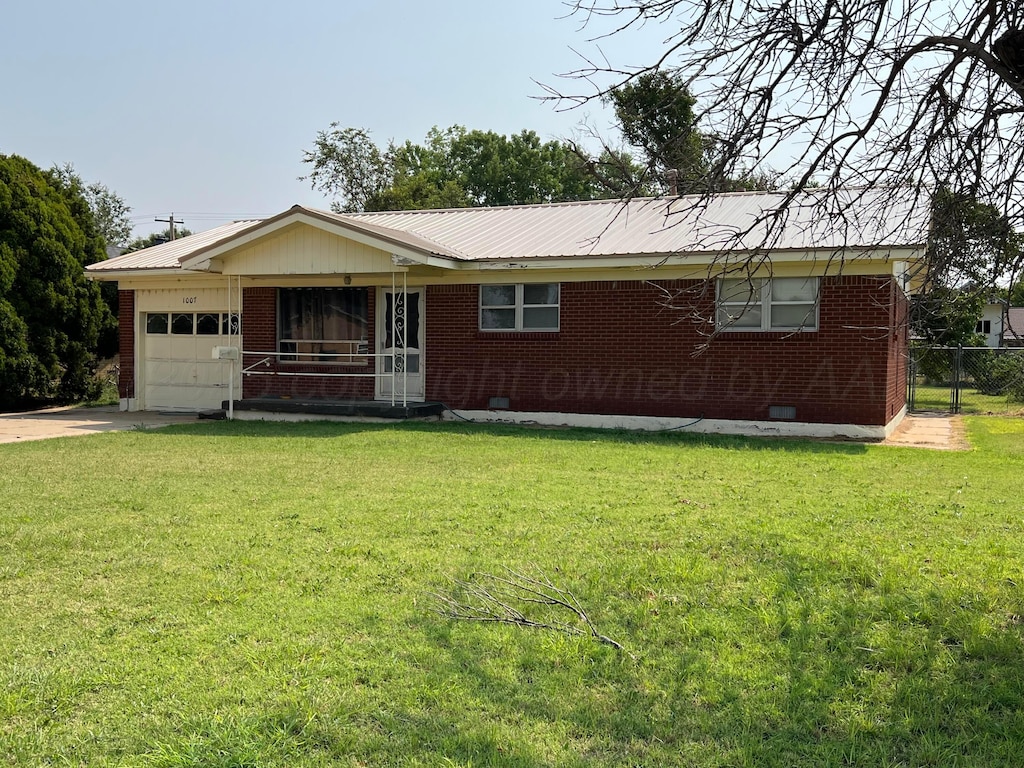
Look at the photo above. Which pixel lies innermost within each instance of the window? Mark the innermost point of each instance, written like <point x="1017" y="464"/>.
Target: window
<point x="531" y="307"/>
<point x="983" y="326"/>
<point x="323" y="325"/>
<point x="182" y="323"/>
<point x="157" y="323"/>
<point x="189" y="324"/>
<point x="207" y="324"/>
<point x="762" y="304"/>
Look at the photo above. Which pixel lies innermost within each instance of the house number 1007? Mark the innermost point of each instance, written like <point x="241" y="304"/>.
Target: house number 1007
<point x="189" y="300"/>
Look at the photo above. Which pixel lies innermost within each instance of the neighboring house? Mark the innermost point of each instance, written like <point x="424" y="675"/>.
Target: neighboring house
<point x="602" y="313"/>
<point x="1013" y="334"/>
<point x="990" y="324"/>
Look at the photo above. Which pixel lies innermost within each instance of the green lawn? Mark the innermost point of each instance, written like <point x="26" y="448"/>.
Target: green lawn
<point x="932" y="398"/>
<point x="231" y="594"/>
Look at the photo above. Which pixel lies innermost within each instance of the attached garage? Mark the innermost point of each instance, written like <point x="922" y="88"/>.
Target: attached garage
<point x="178" y="331"/>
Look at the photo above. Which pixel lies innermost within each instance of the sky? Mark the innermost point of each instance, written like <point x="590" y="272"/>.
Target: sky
<point x="203" y="109"/>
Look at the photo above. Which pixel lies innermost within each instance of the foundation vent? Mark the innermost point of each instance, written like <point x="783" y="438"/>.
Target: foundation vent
<point x="498" y="403"/>
<point x="781" y="411"/>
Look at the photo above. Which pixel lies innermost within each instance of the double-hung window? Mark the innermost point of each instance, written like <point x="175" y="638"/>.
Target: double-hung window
<point x="529" y="307"/>
<point x="768" y="304"/>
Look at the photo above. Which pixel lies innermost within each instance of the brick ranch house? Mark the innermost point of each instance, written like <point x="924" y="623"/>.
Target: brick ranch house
<point x="654" y="313"/>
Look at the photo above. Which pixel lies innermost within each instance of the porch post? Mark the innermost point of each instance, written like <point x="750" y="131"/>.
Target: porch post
<point x="399" y="318"/>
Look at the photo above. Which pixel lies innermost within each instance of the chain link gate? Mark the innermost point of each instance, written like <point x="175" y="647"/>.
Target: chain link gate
<point x="959" y="379"/>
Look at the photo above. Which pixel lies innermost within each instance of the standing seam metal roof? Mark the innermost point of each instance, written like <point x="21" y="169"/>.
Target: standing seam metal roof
<point x="853" y="219"/>
<point x="168" y="255"/>
<point x="658" y="226"/>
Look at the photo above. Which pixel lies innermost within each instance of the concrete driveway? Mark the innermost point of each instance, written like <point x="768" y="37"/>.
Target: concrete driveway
<point x="68" y="422"/>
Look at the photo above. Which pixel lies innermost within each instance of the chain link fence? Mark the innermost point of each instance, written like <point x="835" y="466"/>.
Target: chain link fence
<point x="975" y="380"/>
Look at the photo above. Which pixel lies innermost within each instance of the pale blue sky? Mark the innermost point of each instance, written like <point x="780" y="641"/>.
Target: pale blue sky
<point x="204" y="108"/>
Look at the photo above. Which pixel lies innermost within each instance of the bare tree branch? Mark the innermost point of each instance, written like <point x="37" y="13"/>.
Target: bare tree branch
<point x="503" y="599"/>
<point x="836" y="93"/>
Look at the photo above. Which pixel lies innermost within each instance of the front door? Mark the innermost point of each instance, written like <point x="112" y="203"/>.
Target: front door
<point x="400" y="328"/>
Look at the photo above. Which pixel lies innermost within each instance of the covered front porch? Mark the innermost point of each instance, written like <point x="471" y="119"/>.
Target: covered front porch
<point x="332" y="324"/>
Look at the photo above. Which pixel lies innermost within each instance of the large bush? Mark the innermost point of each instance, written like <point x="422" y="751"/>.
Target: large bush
<point x="51" y="317"/>
<point x="1002" y="374"/>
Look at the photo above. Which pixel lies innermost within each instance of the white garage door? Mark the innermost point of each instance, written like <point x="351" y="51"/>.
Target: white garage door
<point x="180" y="372"/>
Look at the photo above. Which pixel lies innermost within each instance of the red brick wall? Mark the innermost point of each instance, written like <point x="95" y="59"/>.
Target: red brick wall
<point x="126" y="343"/>
<point x="899" y="352"/>
<point x="620" y="351"/>
<point x="259" y="334"/>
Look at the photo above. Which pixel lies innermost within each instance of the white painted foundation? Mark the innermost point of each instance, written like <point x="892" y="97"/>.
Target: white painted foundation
<point x="638" y="423"/>
<point x="695" y="424"/>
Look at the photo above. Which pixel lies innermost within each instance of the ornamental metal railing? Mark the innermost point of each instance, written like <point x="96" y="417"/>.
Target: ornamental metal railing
<point x="397" y="376"/>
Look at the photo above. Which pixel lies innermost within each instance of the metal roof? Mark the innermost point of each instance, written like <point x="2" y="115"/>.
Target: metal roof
<point x="814" y="220"/>
<point x="1015" y="323"/>
<point x="168" y="255"/>
<point x="660" y="226"/>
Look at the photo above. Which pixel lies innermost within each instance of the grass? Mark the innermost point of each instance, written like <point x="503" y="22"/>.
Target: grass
<point x="235" y="594"/>
<point x="972" y="402"/>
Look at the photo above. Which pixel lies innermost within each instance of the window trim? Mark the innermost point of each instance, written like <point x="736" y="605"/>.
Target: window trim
<point x="765" y="303"/>
<point x="518" y="308"/>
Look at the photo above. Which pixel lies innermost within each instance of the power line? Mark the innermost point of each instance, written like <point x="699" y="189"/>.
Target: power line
<point x="171" y="222"/>
<point x="207" y="215"/>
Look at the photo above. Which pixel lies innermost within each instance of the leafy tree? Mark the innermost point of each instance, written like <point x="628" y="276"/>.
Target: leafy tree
<point x="453" y="168"/>
<point x="947" y="316"/>
<point x="51" y="317"/>
<point x="973" y="247"/>
<point x="1016" y="294"/>
<point x="109" y="211"/>
<point x="349" y="167"/>
<point x="841" y="93"/>
<point x="972" y="243"/>
<point x="655" y="115"/>
<point x="155" y="238"/>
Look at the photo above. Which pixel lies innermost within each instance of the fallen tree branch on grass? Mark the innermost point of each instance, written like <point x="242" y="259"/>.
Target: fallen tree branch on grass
<point x="504" y="600"/>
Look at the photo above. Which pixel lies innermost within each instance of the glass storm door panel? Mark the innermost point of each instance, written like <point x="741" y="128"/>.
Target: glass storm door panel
<point x="400" y="324"/>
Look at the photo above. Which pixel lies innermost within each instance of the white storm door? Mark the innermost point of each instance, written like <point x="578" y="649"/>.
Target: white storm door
<point x="400" y="318"/>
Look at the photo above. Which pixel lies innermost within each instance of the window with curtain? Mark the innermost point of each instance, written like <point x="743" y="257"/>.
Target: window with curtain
<point x="323" y="325"/>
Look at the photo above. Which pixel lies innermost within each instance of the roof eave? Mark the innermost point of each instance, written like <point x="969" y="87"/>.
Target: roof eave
<point x="696" y="258"/>
<point x="111" y="275"/>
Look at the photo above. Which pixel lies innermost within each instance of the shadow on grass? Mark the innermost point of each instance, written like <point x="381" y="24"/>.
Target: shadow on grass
<point x="333" y="430"/>
<point x="825" y="663"/>
<point x="868" y="676"/>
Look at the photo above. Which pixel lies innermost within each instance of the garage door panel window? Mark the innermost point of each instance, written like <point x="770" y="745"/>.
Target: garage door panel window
<point x="207" y="324"/>
<point x="182" y="323"/>
<point x="323" y="325"/>
<point x="192" y="324"/>
<point x="157" y="323"/>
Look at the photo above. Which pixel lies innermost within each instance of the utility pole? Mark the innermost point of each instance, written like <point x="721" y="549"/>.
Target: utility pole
<point x="170" y="221"/>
